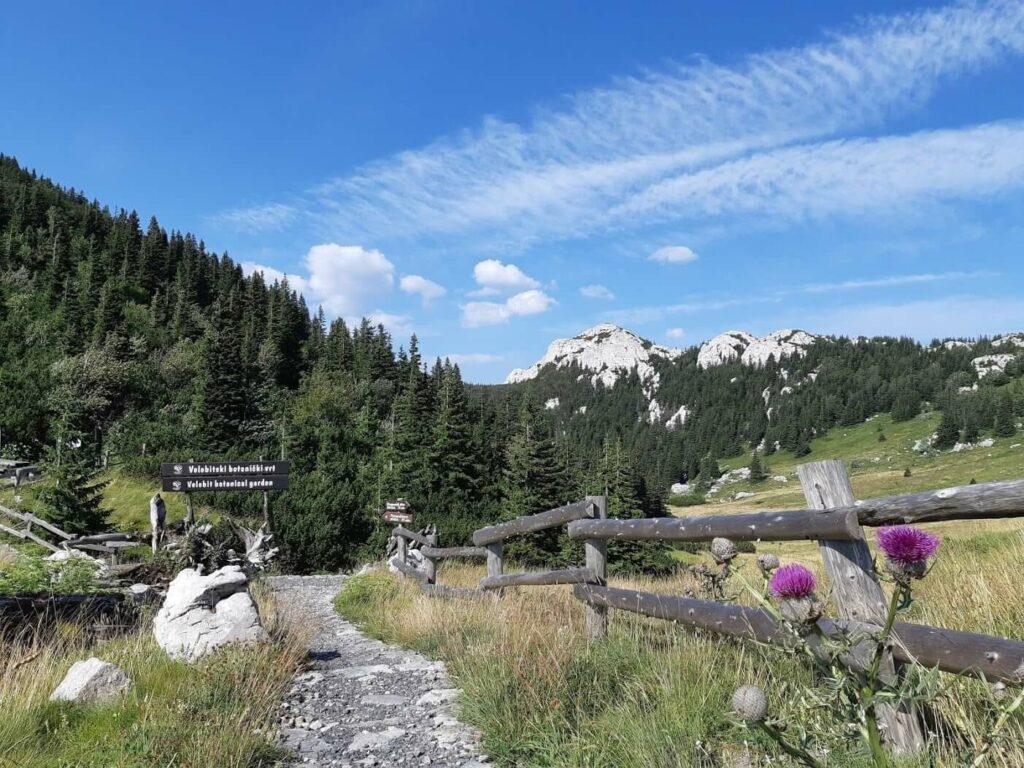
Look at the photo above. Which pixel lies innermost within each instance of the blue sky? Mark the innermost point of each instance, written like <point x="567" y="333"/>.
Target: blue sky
<point x="496" y="174"/>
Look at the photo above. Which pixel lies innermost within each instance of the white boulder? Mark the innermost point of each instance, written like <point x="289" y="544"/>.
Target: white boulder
<point x="678" y="489"/>
<point x="92" y="681"/>
<point x="413" y="558"/>
<point x="203" y="613"/>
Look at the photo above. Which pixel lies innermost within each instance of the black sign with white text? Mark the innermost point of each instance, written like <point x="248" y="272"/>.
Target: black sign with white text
<point x="224" y="468"/>
<point x="200" y="484"/>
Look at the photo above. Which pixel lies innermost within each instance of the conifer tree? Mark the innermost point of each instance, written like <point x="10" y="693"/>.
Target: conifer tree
<point x="1005" y="423"/>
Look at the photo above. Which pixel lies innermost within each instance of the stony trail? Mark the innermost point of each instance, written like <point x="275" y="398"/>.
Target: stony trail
<point x="363" y="702"/>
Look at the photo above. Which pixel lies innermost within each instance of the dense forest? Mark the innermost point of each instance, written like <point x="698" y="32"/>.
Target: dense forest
<point x="123" y="345"/>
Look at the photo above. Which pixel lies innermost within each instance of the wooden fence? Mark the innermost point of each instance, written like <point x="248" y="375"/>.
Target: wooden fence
<point x="834" y="519"/>
<point x="28" y="527"/>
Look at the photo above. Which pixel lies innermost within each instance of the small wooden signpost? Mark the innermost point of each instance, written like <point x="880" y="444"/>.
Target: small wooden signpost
<point x="398" y="512"/>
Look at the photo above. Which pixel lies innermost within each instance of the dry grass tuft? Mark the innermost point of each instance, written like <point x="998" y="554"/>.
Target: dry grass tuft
<point x="216" y="713"/>
<point x="652" y="694"/>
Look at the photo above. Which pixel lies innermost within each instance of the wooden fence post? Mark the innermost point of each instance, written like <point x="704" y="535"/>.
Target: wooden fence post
<point x="495" y="561"/>
<point x="596" y="559"/>
<point x="402" y="546"/>
<point x="858" y="594"/>
<point x="430" y="564"/>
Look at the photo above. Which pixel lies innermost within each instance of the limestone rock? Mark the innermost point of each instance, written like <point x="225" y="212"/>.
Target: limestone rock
<point x="204" y="613"/>
<point x="92" y="681"/>
<point x="607" y="352"/>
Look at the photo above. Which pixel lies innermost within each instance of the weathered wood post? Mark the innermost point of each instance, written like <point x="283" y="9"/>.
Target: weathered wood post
<point x="495" y="562"/>
<point x="858" y="594"/>
<point x="430" y="563"/>
<point x="596" y="559"/>
<point x="402" y="545"/>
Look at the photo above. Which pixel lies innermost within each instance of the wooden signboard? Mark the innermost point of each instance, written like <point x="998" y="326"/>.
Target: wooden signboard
<point x="225" y="483"/>
<point x="224" y="468"/>
<point x="398" y="511"/>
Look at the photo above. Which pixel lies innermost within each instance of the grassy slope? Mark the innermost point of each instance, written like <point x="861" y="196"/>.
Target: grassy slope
<point x="125" y="496"/>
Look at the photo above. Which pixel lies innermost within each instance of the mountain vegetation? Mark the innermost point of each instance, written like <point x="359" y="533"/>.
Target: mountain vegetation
<point x="123" y="344"/>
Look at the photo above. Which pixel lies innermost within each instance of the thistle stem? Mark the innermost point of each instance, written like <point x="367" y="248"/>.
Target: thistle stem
<point x="793" y="751"/>
<point x="870" y="688"/>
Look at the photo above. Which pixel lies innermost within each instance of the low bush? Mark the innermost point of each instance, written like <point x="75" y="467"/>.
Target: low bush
<point x="29" y="574"/>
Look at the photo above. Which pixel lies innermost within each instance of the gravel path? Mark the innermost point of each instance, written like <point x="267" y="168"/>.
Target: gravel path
<point x="365" y="703"/>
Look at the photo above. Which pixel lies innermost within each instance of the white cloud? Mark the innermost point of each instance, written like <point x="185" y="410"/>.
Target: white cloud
<point x="396" y="324"/>
<point x="649" y="314"/>
<point x="271" y="275"/>
<point x="269" y="217"/>
<point x="428" y="290"/>
<point x="673" y="254"/>
<point x="594" y="166"/>
<point x="844" y="177"/>
<point x="675" y="333"/>
<point x="596" y="292"/>
<point x="474" y="357"/>
<point x="346" y="279"/>
<point x="493" y="277"/>
<point x="532" y="302"/>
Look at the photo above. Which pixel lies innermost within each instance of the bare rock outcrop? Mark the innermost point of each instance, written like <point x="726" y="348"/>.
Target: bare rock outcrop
<point x="204" y="613"/>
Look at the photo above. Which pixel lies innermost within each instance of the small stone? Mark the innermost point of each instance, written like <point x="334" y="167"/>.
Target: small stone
<point x="92" y="681"/>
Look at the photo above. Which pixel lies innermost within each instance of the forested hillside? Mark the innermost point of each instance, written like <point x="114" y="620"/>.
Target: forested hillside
<point x="132" y="346"/>
<point x="125" y="345"/>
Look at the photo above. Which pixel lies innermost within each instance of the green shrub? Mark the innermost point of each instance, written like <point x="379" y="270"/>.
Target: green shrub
<point x="32" y="575"/>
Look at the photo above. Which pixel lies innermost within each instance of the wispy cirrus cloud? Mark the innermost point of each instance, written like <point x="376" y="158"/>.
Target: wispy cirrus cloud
<point x="649" y="314"/>
<point x="720" y="139"/>
<point x="268" y="217"/>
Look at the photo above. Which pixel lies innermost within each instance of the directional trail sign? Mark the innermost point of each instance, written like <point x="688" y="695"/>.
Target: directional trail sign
<point x="232" y="483"/>
<point x="397" y="512"/>
<point x="224" y="468"/>
<point x="198" y="476"/>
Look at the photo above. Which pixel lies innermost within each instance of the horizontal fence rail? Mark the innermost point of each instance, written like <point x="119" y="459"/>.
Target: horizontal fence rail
<point x="995" y="658"/>
<point x="408" y="535"/>
<point x="532" y="523"/>
<point x="763" y="526"/>
<point x="540" y="578"/>
<point x="442" y="553"/>
<point x="982" y="501"/>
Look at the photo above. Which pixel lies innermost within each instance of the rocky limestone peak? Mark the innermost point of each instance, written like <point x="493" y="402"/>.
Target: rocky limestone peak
<point x="607" y="351"/>
<point x="751" y="350"/>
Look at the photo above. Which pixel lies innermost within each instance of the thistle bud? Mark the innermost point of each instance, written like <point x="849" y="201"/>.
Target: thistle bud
<point x="801" y="610"/>
<point x="750" y="703"/>
<point x="767" y="563"/>
<point x="722" y="550"/>
<point x="999" y="691"/>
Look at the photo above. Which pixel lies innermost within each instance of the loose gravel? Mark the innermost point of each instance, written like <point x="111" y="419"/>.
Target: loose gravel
<point x="365" y="703"/>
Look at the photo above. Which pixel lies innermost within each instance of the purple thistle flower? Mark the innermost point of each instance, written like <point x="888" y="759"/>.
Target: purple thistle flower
<point x="792" y="582"/>
<point x="906" y="545"/>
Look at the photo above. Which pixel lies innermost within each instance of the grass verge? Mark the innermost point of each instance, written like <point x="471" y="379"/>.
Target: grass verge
<point x="653" y="695"/>
<point x="219" y="712"/>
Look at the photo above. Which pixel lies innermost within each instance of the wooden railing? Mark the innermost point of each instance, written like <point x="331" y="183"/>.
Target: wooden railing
<point x="834" y="519"/>
<point x="30" y="527"/>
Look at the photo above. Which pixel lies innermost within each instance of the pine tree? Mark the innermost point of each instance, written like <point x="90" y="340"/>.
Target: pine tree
<point x="948" y="431"/>
<point x="224" y="390"/>
<point x="1005" y="423"/>
<point x="73" y="500"/>
<point x="757" y="473"/>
